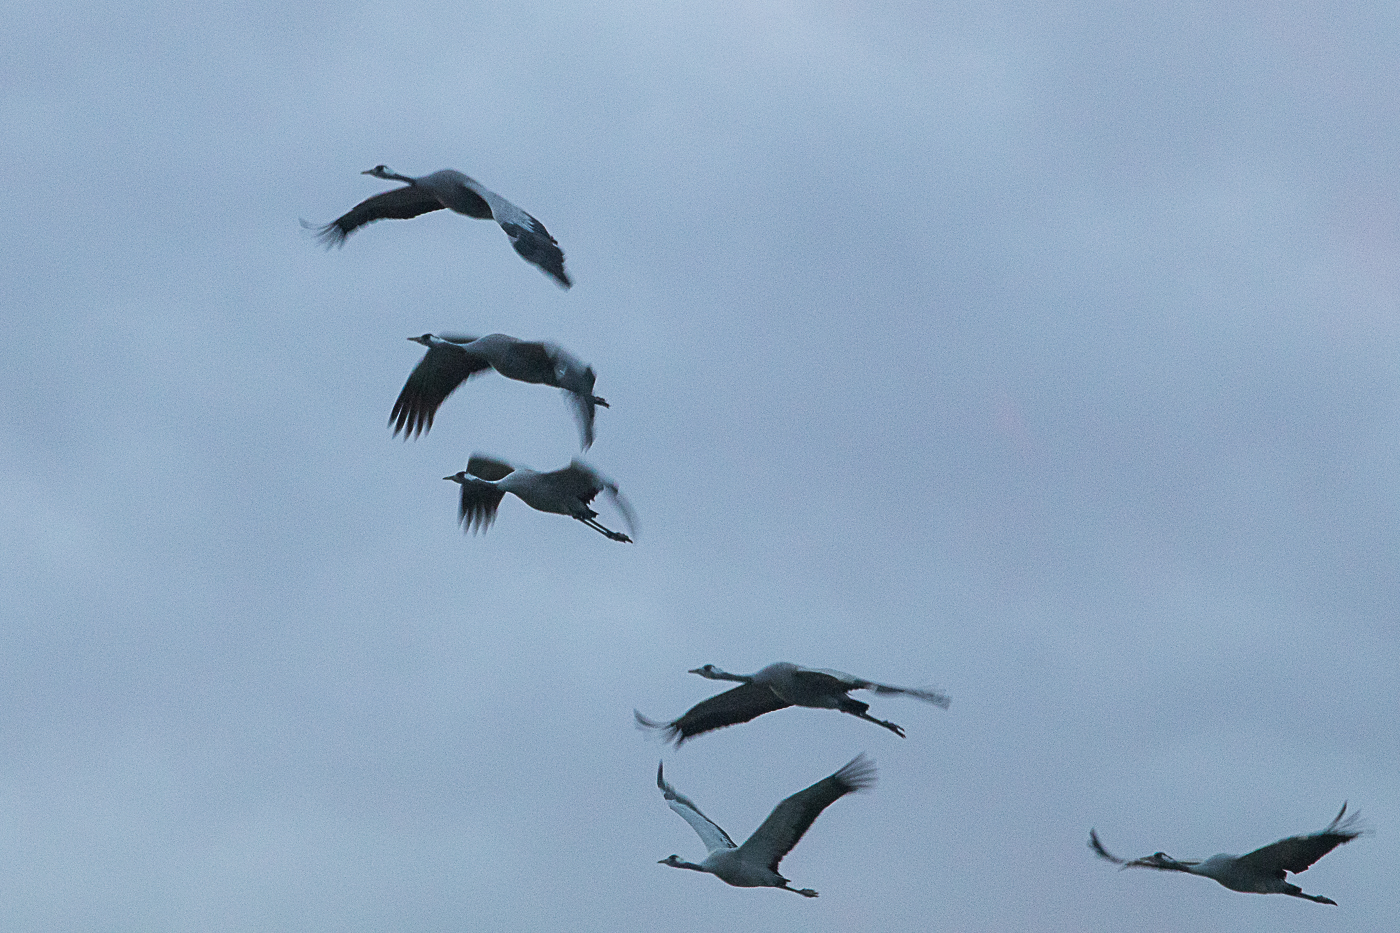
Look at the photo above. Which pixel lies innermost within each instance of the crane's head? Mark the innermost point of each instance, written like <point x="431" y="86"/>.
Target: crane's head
<point x="709" y="670"/>
<point x="675" y="861"/>
<point x="1159" y="860"/>
<point x="426" y="340"/>
<point x="459" y="477"/>
<point x="379" y="171"/>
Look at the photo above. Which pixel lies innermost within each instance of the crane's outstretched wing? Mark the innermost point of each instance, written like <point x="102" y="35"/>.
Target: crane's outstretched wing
<point x="436" y="376"/>
<point x="624" y="508"/>
<point x="1101" y="852"/>
<point x="1298" y="853"/>
<point x="582" y="480"/>
<point x="851" y="682"/>
<point x="396" y="204"/>
<point x="566" y="371"/>
<point x="488" y="468"/>
<point x="534" y="245"/>
<point x="477" y="509"/>
<point x="790" y="819"/>
<point x="744" y="702"/>
<point x="577" y="480"/>
<point x="709" y="831"/>
<point x="584" y="408"/>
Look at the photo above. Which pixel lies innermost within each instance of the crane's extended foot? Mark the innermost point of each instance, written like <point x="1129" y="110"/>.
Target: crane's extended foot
<point x="805" y="892"/>
<point x="605" y="532"/>
<point x="881" y="722"/>
<point x="1294" y="891"/>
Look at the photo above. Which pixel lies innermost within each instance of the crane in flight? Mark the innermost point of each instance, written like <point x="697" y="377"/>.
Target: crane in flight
<point x="776" y="687"/>
<point x="449" y="188"/>
<point x="755" y="863"/>
<point x="453" y="359"/>
<point x="1263" y="871"/>
<point x="567" y="491"/>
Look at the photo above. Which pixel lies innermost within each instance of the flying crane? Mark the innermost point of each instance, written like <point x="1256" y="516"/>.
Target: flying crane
<point x="755" y="863"/>
<point x="567" y="491"/>
<point x="1263" y="871"/>
<point x="452" y="360"/>
<point x="449" y="188"/>
<point x="776" y="687"/>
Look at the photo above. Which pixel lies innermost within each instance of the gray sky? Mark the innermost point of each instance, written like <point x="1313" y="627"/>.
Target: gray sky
<point x="1043" y="353"/>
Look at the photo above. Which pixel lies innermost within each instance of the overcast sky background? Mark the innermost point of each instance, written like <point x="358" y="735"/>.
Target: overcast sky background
<point x="1045" y="353"/>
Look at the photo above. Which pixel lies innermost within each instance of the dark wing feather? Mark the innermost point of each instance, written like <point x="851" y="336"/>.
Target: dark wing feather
<point x="1298" y="853"/>
<point x="584" y="408"/>
<point x="537" y="247"/>
<point x="624" y="508"/>
<point x="488" y="468"/>
<point x="578" y="479"/>
<point x="531" y="361"/>
<point x="477" y="509"/>
<point x="744" y="702"/>
<point x="828" y="681"/>
<point x="1101" y="852"/>
<point x="839" y="680"/>
<point x="397" y="204"/>
<point x="441" y="371"/>
<point x="790" y="819"/>
<point x="472" y="204"/>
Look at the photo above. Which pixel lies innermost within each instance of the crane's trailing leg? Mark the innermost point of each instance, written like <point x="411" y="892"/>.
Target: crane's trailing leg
<point x="857" y="708"/>
<point x="606" y="532"/>
<point x="805" y="892"/>
<point x="897" y="730"/>
<point x="1294" y="891"/>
